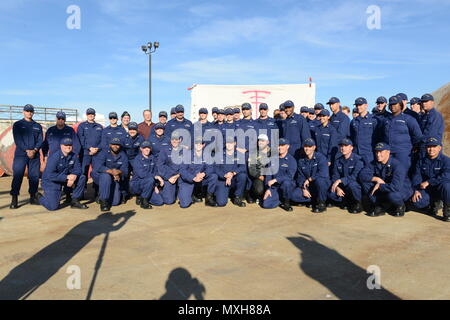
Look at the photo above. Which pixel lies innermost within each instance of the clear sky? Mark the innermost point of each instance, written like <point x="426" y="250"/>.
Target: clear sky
<point x="101" y="65"/>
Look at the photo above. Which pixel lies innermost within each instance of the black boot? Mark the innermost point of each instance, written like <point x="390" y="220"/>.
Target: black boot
<point x="196" y="199"/>
<point x="356" y="208"/>
<point x="446" y="212"/>
<point x="399" y="211"/>
<point x="249" y="198"/>
<point x="145" y="204"/>
<point x="238" y="202"/>
<point x="286" y="205"/>
<point x="376" y="211"/>
<point x="75" y="204"/>
<point x="320" y="207"/>
<point x="14" y="202"/>
<point x="68" y="198"/>
<point x="209" y="200"/>
<point x="138" y="200"/>
<point x="34" y="199"/>
<point x="434" y="207"/>
<point x="104" y="205"/>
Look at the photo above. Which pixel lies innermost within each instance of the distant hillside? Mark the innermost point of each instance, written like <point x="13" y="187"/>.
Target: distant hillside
<point x="442" y="102"/>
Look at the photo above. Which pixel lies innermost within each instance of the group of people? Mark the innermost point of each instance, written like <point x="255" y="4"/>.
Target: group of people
<point x="389" y="160"/>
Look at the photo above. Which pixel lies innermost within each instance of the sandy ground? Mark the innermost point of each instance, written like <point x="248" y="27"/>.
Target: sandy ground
<point x="223" y="253"/>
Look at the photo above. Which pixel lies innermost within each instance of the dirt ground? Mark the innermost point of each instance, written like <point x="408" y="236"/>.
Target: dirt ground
<point x="218" y="253"/>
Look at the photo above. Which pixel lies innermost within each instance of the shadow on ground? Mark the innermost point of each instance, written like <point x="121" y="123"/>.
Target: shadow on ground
<point x="181" y="286"/>
<point x="27" y="277"/>
<point x="339" y="275"/>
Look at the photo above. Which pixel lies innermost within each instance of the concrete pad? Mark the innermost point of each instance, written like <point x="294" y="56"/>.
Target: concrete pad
<point x="218" y="253"/>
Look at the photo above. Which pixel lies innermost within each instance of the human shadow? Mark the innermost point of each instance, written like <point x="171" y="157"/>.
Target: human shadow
<point x="180" y="286"/>
<point x="27" y="277"/>
<point x="342" y="277"/>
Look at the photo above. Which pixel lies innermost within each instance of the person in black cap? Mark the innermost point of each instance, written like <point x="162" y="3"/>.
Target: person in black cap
<point x="326" y="137"/>
<point x="180" y="123"/>
<point x="214" y="113"/>
<point x="90" y="134"/>
<point x="237" y="114"/>
<point x="56" y="133"/>
<point x="304" y="111"/>
<point x="109" y="171"/>
<point x="355" y="114"/>
<point x="415" y="105"/>
<point x="295" y="129"/>
<point x="159" y="140"/>
<point x="125" y="120"/>
<point x="380" y="111"/>
<point x="431" y="122"/>
<point x="173" y="113"/>
<point x="385" y="183"/>
<point x="339" y="120"/>
<point x="267" y="125"/>
<point x="162" y="117"/>
<point x="28" y="138"/>
<point x="203" y="129"/>
<point x="404" y="103"/>
<point x="431" y="180"/>
<point x="113" y="131"/>
<point x="345" y="188"/>
<point x="63" y="171"/>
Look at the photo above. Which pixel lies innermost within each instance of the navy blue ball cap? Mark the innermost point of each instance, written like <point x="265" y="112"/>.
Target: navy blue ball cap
<point x="215" y="110"/>
<point x="172" y="111"/>
<point x="237" y="110"/>
<point x="345" y="142"/>
<point x="402" y="96"/>
<point x="246" y="106"/>
<point x="355" y="110"/>
<point x="427" y="97"/>
<point x="414" y="100"/>
<point x="159" y="125"/>
<point x="179" y="108"/>
<point x="309" y="142"/>
<point x="382" y="146"/>
<point x="203" y="110"/>
<point x="318" y="106"/>
<point x="90" y="111"/>
<point x="67" y="142"/>
<point x="311" y="111"/>
<point x="112" y="115"/>
<point x="132" y="126"/>
<point x="360" y="101"/>
<point x="28" y="107"/>
<point x="282" y="108"/>
<point x="124" y="114"/>
<point x="146" y="144"/>
<point x="229" y="111"/>
<point x="162" y="114"/>
<point x="115" y="141"/>
<point x="324" y="112"/>
<point x="283" y="141"/>
<point x="61" y="115"/>
<point x="333" y="100"/>
<point x="263" y="106"/>
<point x="304" y="109"/>
<point x="381" y="100"/>
<point x="432" y="141"/>
<point x="220" y="111"/>
<point x="394" y="100"/>
<point x="288" y="104"/>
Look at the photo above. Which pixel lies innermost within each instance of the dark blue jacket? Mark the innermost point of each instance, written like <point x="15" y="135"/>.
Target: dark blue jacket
<point x="315" y="168"/>
<point x="197" y="165"/>
<point x="312" y="125"/>
<point x="347" y="170"/>
<point x="27" y="136"/>
<point x="59" y="167"/>
<point x="245" y="125"/>
<point x="113" y="132"/>
<point x="90" y="135"/>
<point x="107" y="160"/>
<point x="326" y="140"/>
<point x="143" y="167"/>
<point x="53" y="137"/>
<point x="413" y="114"/>
<point x="166" y="166"/>
<point x="295" y="129"/>
<point x="270" y="125"/>
<point x="158" y="143"/>
<point x="231" y="163"/>
<point x="131" y="145"/>
<point x="342" y="124"/>
<point x="393" y="173"/>
<point x="432" y="124"/>
<point x="435" y="171"/>
<point x="401" y="132"/>
<point x="287" y="168"/>
<point x="364" y="133"/>
<point x="174" y="124"/>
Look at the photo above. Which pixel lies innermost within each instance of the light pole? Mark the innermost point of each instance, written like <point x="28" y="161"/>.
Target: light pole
<point x="148" y="50"/>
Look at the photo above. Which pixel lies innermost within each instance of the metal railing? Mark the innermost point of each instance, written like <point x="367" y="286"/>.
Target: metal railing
<point x="41" y="114"/>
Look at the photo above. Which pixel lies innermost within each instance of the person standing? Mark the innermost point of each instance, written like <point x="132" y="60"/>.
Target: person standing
<point x="295" y="129"/>
<point x="28" y="138"/>
<point x="339" y="120"/>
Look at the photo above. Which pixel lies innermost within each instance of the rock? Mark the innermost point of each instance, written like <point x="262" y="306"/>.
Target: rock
<point x="442" y="104"/>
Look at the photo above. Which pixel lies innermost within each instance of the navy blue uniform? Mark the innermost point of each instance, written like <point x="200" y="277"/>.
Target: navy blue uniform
<point x="231" y="163"/>
<point x="317" y="169"/>
<point x="397" y="186"/>
<point x="175" y="124"/>
<point x="113" y="132"/>
<point x="281" y="190"/>
<point x="364" y="134"/>
<point x="342" y="124"/>
<point x="27" y="136"/>
<point x="432" y="124"/>
<point x="347" y="170"/>
<point x="437" y="173"/>
<point x="312" y="125"/>
<point x="296" y="130"/>
<point x="131" y="145"/>
<point x="401" y="132"/>
<point x="90" y="135"/>
<point x="326" y="141"/>
<point x="54" y="136"/>
<point x="110" y="190"/>
<point x="143" y="181"/>
<point x="167" y="168"/>
<point x="269" y="126"/>
<point x="55" y="178"/>
<point x="159" y="143"/>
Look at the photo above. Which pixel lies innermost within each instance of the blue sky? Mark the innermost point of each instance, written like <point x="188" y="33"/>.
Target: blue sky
<point x="101" y="65"/>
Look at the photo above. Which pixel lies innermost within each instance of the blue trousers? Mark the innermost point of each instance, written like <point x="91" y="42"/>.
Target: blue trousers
<point x="352" y="192"/>
<point x="394" y="198"/>
<point x="34" y="166"/>
<point x="85" y="163"/>
<point x="318" y="189"/>
<point x="237" y="186"/>
<point x="169" y="192"/>
<point x="439" y="192"/>
<point x="145" y="188"/>
<point x="109" y="190"/>
<point x="52" y="192"/>
<point x="185" y="189"/>
<point x="278" y="191"/>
